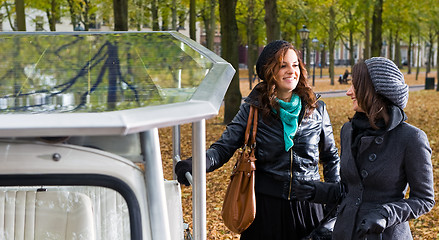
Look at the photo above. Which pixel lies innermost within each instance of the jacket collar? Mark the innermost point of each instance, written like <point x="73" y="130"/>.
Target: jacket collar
<point x="396" y="117"/>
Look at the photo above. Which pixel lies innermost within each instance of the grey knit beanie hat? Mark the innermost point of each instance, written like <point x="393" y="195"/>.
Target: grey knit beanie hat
<point x="268" y="52"/>
<point x="388" y="80"/>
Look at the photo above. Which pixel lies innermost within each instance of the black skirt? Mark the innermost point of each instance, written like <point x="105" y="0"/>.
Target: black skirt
<point x="281" y="219"/>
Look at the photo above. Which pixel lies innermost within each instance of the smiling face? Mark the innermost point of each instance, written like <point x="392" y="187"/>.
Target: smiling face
<point x="288" y="75"/>
<point x="351" y="93"/>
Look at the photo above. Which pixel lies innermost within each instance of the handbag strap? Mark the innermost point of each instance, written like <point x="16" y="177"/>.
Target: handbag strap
<point x="253" y="116"/>
<point x="245" y="163"/>
<point x="255" y="127"/>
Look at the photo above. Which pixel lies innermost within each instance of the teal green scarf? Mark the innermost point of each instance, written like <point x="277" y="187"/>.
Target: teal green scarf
<point x="289" y="115"/>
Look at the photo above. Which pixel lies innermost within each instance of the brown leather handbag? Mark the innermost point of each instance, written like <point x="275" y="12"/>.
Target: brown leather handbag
<point x="239" y="206"/>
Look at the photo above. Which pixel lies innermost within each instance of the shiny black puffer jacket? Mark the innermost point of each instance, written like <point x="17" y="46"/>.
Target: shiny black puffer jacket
<point x="275" y="168"/>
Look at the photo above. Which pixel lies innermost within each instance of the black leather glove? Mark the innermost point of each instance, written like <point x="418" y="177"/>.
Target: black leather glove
<point x="181" y="168"/>
<point x="304" y="190"/>
<point x="372" y="223"/>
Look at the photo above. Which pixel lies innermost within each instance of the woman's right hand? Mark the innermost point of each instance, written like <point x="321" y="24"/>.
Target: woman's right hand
<point x="181" y="168"/>
<point x="373" y="223"/>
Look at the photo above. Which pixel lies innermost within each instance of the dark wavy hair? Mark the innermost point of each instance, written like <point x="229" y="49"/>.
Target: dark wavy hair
<point x="269" y="89"/>
<point x="373" y="104"/>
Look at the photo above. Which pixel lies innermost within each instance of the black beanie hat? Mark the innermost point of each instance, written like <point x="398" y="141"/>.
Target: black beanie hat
<point x="268" y="52"/>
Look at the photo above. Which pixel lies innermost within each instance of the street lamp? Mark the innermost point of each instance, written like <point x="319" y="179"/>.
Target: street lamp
<point x="304" y="33"/>
<point x="315" y="43"/>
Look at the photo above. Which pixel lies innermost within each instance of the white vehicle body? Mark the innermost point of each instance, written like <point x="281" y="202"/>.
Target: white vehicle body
<point x="79" y="143"/>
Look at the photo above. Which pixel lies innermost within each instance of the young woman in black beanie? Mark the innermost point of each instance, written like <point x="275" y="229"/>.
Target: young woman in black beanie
<point x="381" y="156"/>
<point x="294" y="131"/>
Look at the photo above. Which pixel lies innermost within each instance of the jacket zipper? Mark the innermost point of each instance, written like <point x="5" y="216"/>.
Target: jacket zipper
<point x="291" y="158"/>
<point x="291" y="173"/>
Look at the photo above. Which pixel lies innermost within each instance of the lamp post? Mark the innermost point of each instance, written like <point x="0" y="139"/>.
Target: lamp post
<point x="315" y="43"/>
<point x="304" y="33"/>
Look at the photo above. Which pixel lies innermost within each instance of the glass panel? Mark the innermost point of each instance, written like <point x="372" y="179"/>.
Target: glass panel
<point x="64" y="212"/>
<point x="96" y="72"/>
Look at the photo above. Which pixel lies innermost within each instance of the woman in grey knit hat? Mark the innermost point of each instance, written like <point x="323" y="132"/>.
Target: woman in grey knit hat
<point x="381" y="156"/>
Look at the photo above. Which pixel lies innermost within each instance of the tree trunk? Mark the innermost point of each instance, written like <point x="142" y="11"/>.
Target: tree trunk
<point x="351" y="48"/>
<point x="155" y="16"/>
<point x="390" y="54"/>
<point x="54" y="15"/>
<point x="430" y="53"/>
<point x="210" y="26"/>
<point x="165" y="20"/>
<point x="21" y="17"/>
<point x="139" y="15"/>
<point x="331" y="43"/>
<point x="271" y="22"/>
<point x="307" y="56"/>
<point x="377" y="22"/>
<point x="229" y="51"/>
<point x="437" y="61"/>
<point x="73" y="14"/>
<point x="419" y="52"/>
<point x="397" y="51"/>
<point x="322" y="59"/>
<point x="192" y="20"/>
<point x="49" y="18"/>
<point x="409" y="55"/>
<point x="120" y="10"/>
<point x="366" y="50"/>
<point x="86" y="6"/>
<point x="252" y="50"/>
<point x="174" y="14"/>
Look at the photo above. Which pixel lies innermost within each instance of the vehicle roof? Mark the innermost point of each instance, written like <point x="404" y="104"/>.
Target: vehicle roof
<point x="106" y="83"/>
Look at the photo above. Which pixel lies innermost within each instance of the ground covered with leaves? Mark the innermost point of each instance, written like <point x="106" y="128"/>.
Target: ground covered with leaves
<point x="422" y="111"/>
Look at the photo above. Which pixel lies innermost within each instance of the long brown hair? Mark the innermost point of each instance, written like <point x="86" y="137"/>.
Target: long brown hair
<point x="374" y="105"/>
<point x="303" y="89"/>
